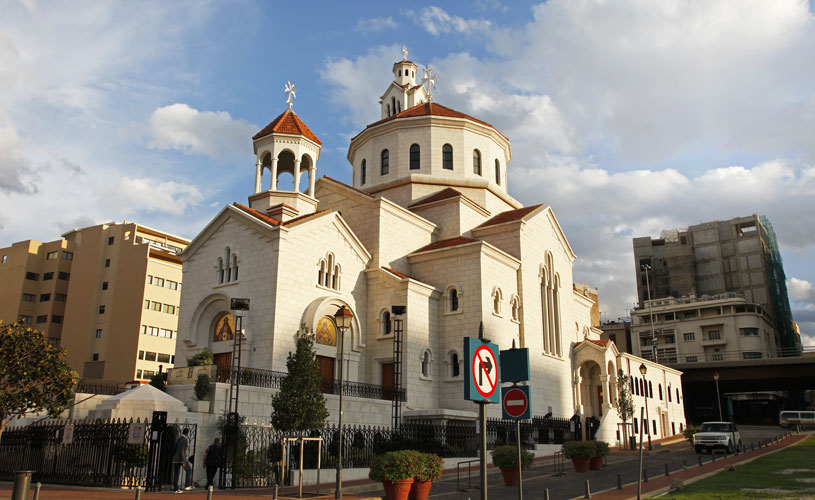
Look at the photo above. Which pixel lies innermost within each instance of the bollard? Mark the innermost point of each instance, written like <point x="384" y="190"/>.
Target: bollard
<point x="712" y="456"/>
<point x="619" y="482"/>
<point x="667" y="473"/>
<point x="700" y="459"/>
<point x="37" y="488"/>
<point x="684" y="464"/>
<point x="209" y="492"/>
<point x="139" y="489"/>
<point x="588" y="490"/>
<point x="274" y="494"/>
<point x="644" y="475"/>
<point x="22" y="484"/>
<point x="751" y="446"/>
<point x="546" y="494"/>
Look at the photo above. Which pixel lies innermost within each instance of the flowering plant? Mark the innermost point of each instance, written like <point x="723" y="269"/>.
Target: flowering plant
<point x="400" y="465"/>
<point x="430" y="466"/>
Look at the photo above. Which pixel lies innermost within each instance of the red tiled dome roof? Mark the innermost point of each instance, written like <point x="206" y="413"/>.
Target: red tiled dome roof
<point x="434" y="109"/>
<point x="288" y="123"/>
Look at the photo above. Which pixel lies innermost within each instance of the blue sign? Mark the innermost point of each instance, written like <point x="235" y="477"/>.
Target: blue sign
<point x="516" y="402"/>
<point x="481" y="374"/>
<point x="515" y="365"/>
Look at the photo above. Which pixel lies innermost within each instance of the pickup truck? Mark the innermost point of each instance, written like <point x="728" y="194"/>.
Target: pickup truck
<point x="713" y="435"/>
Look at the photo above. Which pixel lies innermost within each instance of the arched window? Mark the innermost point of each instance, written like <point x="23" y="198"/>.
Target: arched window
<point x="321" y="273"/>
<point x="516" y="308"/>
<point x="393" y="104"/>
<point x="659" y="386"/>
<point x="497" y="172"/>
<point x="426" y="364"/>
<point x="453" y="299"/>
<point x="335" y="278"/>
<point x="363" y="172"/>
<point x="385" y="160"/>
<point x="234" y="267"/>
<point x="651" y="390"/>
<point x="455" y="369"/>
<point x="476" y="162"/>
<point x="220" y="272"/>
<point x="496" y="301"/>
<point x="414" y="157"/>
<point x="389" y="109"/>
<point x="668" y="391"/>
<point x="677" y="395"/>
<point x="385" y="322"/>
<point x="327" y="280"/>
<point x="227" y="274"/>
<point x="447" y="157"/>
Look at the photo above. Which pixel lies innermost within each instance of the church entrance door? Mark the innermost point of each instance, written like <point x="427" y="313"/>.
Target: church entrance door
<point x="388" y="380"/>
<point x="224" y="363"/>
<point x="327" y="371"/>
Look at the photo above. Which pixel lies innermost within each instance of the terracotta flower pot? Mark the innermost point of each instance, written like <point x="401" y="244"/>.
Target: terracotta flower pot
<point x="420" y="490"/>
<point x="581" y="464"/>
<point x="510" y="476"/>
<point x="596" y="463"/>
<point x="401" y="489"/>
<point x="388" y="486"/>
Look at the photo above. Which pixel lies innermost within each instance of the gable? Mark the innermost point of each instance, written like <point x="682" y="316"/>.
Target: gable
<point x="229" y="212"/>
<point x="320" y="220"/>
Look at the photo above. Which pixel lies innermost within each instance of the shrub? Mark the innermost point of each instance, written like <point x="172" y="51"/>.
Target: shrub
<point x="573" y="449"/>
<point x="602" y="448"/>
<point x="202" y="388"/>
<point x="400" y="465"/>
<point x="377" y="471"/>
<point x="689" y="432"/>
<point x="507" y="456"/>
<point x="203" y="358"/>
<point x="430" y="466"/>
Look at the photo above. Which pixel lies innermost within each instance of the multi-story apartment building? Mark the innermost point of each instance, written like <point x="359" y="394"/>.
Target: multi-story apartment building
<point x="698" y="329"/>
<point x="739" y="256"/>
<point x="618" y="332"/>
<point x="114" y="294"/>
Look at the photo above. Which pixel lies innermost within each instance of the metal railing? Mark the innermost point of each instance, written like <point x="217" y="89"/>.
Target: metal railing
<point x="733" y="355"/>
<point x="99" y="386"/>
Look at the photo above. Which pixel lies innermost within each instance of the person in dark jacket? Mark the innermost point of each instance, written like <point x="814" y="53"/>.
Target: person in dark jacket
<point x="181" y="459"/>
<point x="213" y="460"/>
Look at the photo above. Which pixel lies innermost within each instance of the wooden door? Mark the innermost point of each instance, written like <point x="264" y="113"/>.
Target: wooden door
<point x="388" y="380"/>
<point x="224" y="363"/>
<point x="327" y="371"/>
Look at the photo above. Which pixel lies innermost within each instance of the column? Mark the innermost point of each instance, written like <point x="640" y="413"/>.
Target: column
<point x="258" y="175"/>
<point x="296" y="176"/>
<point x="273" y="184"/>
<point x="312" y="173"/>
<point x="607" y="398"/>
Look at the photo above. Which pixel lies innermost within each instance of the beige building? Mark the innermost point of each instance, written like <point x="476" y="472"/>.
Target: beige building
<point x="109" y="294"/>
<point x="724" y="327"/>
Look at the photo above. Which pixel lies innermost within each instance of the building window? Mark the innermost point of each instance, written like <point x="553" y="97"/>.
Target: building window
<point x="110" y="240"/>
<point x="104" y="285"/>
<point x="24" y="318"/>
<point x="32" y="276"/>
<point x="29" y="297"/>
<point x="426" y="364"/>
<point x="47" y="276"/>
<point x="56" y="319"/>
<point x="660" y="392"/>
<point x="159" y="281"/>
<point x="42" y="319"/>
<point x="455" y="369"/>
<point x="497" y="172"/>
<point x="714" y="335"/>
<point x="96" y="356"/>
<point x="385" y="160"/>
<point x="107" y="262"/>
<point x="163" y="358"/>
<point x="155" y="306"/>
<point x="169" y="309"/>
<point x="220" y="271"/>
<point x="717" y="357"/>
<point x="447" y="157"/>
<point x="677" y="400"/>
<point x="497" y="296"/>
<point x="414" y="157"/>
<point x="668" y="391"/>
<point x="363" y="172"/>
<point x="516" y="308"/>
<point x="234" y="267"/>
<point x="453" y="299"/>
<point x="748" y="332"/>
<point x="141" y="356"/>
<point x="52" y="256"/>
<point x="385" y="322"/>
<point x="690" y="359"/>
<point x="689" y="337"/>
<point x="751" y="355"/>
<point x="63" y="276"/>
<point x="45" y="297"/>
<point x="5" y="258"/>
<point x="101" y="309"/>
<point x="99" y="334"/>
<point x="651" y="390"/>
<point x="476" y="162"/>
<point x="67" y="255"/>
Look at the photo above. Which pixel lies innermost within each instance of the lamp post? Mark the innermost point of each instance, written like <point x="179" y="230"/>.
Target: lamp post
<point x="646" y="268"/>
<point x="643" y="370"/>
<point x="342" y="318"/>
<point x="718" y="398"/>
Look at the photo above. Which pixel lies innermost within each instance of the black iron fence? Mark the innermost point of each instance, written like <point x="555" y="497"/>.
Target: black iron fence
<point x="260" y="448"/>
<point x="93" y="453"/>
<point x="99" y="386"/>
<point x="256" y="377"/>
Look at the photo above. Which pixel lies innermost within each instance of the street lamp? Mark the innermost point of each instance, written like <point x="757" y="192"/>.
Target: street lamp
<point x="644" y="369"/>
<point x="646" y="268"/>
<point x="718" y="398"/>
<point x="342" y="318"/>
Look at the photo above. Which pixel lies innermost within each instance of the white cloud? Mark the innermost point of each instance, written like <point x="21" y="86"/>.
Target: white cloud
<point x="212" y="133"/>
<point x="437" y="21"/>
<point x="375" y="24"/>
<point x="801" y="290"/>
<point x="152" y="195"/>
<point x="14" y="169"/>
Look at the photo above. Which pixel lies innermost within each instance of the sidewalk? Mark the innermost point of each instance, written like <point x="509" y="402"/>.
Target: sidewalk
<point x="660" y="484"/>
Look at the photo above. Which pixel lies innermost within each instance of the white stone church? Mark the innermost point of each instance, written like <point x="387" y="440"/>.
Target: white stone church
<point x="427" y="223"/>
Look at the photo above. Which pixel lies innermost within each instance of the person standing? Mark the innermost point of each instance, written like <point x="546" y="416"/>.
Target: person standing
<point x="181" y="459"/>
<point x="213" y="460"/>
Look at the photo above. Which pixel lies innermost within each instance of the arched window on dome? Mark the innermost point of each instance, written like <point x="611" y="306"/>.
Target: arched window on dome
<point x="497" y="172"/>
<point x="393" y="104"/>
<point x="363" y="172"/>
<point x="385" y="161"/>
<point x="414" y="157"/>
<point x="476" y="162"/>
<point x="447" y="157"/>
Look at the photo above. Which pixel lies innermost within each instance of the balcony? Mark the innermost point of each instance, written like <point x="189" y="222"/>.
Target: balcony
<point x="712" y="342"/>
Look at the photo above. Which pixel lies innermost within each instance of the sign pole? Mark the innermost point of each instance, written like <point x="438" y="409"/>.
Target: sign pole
<point x="520" y="464"/>
<point x="482" y="417"/>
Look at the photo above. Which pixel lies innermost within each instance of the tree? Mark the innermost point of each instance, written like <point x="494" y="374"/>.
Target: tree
<point x="34" y="375"/>
<point x="300" y="405"/>
<point x="625" y="403"/>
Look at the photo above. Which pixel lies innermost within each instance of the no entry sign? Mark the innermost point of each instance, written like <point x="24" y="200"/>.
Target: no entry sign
<point x="482" y="374"/>
<point x="516" y="404"/>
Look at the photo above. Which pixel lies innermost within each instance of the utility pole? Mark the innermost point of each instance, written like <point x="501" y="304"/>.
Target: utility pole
<point x="647" y="269"/>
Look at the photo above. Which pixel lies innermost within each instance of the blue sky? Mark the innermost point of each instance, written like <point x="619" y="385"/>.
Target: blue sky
<point x="626" y="117"/>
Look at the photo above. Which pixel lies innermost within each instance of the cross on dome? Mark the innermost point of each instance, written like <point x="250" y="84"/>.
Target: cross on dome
<point x="404" y="52"/>
<point x="429" y="80"/>
<point x="290" y="93"/>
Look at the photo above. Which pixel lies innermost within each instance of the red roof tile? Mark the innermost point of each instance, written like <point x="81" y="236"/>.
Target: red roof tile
<point x="263" y="217"/>
<point x="288" y="123"/>
<point x="601" y="342"/>
<point x="430" y="108"/>
<point x="366" y="193"/>
<point x="397" y="273"/>
<point x="452" y="242"/>
<point x="511" y="215"/>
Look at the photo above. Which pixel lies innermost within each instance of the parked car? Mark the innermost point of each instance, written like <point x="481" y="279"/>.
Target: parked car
<point x="717" y="435"/>
<point x="802" y="419"/>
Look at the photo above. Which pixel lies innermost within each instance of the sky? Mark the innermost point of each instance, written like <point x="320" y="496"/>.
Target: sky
<point x="627" y="117"/>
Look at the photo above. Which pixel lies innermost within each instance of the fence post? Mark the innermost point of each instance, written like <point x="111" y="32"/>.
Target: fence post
<point x="619" y="482"/>
<point x="588" y="490"/>
<point x="138" y="492"/>
<point x="667" y="472"/>
<point x="546" y="494"/>
<point x="37" y="488"/>
<point x="644" y="475"/>
<point x="209" y="491"/>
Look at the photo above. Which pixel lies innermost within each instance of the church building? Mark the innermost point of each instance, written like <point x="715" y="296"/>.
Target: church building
<point x="426" y="222"/>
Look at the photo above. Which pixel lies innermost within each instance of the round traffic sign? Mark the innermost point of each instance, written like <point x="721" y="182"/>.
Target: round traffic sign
<point x="515" y="402"/>
<point x="485" y="371"/>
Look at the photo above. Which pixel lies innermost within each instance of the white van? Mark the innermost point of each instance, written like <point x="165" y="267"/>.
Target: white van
<point x="791" y="419"/>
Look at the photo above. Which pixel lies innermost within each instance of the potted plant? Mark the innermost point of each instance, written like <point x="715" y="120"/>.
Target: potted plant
<point x="430" y="466"/>
<point x="600" y="449"/>
<point x="506" y="459"/>
<point x="580" y="452"/>
<point x="396" y="470"/>
<point x="377" y="473"/>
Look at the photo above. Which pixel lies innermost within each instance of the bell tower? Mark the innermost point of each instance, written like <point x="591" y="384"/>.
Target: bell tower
<point x="402" y="93"/>
<point x="286" y="145"/>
